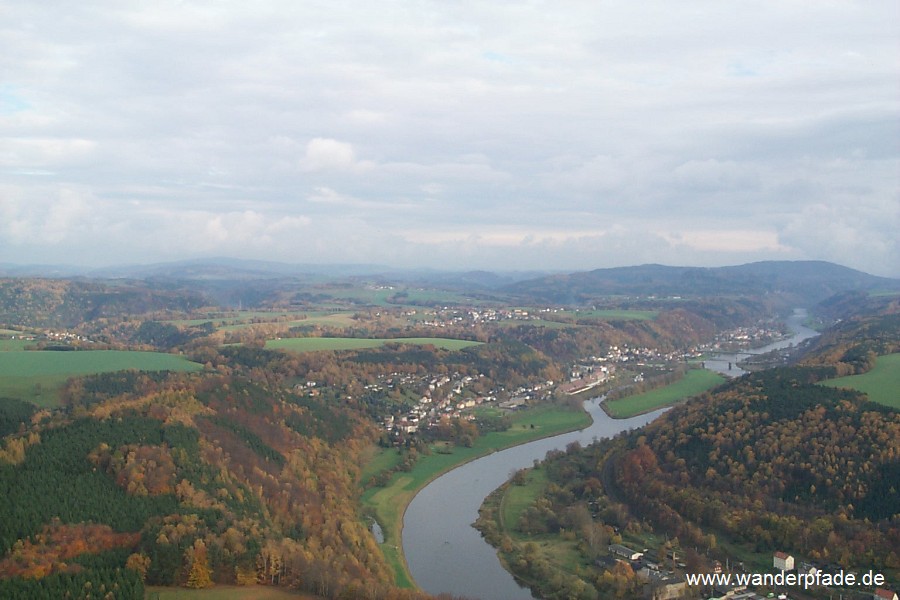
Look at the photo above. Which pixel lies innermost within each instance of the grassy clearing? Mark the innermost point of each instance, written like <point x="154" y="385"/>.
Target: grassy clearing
<point x="225" y="592"/>
<point x="389" y="503"/>
<point x="322" y="318"/>
<point x="38" y="376"/>
<point x="244" y="319"/>
<point x="378" y="461"/>
<point x="14" y="345"/>
<point x="518" y="498"/>
<point x="328" y="343"/>
<point x="557" y="549"/>
<point x="694" y="382"/>
<point x="881" y="384"/>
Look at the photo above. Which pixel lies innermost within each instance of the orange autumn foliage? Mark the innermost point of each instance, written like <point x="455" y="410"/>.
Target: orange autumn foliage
<point x="59" y="542"/>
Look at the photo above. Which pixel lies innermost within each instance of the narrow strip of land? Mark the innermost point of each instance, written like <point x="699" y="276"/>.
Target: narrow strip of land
<point x="695" y="381"/>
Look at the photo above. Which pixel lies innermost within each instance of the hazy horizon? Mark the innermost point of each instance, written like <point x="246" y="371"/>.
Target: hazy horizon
<point x="345" y="269"/>
<point x="457" y="136"/>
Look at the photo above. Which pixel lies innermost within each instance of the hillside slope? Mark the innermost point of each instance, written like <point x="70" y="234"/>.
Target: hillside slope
<point x="802" y="282"/>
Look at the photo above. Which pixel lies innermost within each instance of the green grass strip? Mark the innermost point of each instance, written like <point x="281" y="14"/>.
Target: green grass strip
<point x="37" y="376"/>
<point x="881" y="384"/>
<point x="695" y="381"/>
<point x="518" y="498"/>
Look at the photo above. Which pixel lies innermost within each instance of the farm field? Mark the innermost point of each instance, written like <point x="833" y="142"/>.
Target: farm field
<point x="694" y="382"/>
<point x="38" y="376"/>
<point x="321" y="343"/>
<point x="881" y="384"/>
<point x="14" y="345"/>
<point x="243" y="319"/>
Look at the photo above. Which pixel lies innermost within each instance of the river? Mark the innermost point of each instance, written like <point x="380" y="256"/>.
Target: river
<point x="726" y="362"/>
<point x="446" y="554"/>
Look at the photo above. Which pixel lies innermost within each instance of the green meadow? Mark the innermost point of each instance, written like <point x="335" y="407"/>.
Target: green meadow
<point x="389" y="503"/>
<point x="14" y="345"/>
<point x="881" y="384"/>
<point x="248" y="318"/>
<point x="517" y="498"/>
<point x="38" y="376"/>
<point x="328" y="343"/>
<point x="695" y="381"/>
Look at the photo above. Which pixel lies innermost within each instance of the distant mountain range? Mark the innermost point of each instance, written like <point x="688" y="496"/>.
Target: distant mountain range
<point x="802" y="282"/>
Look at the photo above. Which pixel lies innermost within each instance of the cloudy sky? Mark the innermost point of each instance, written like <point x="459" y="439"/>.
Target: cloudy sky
<point x="452" y="133"/>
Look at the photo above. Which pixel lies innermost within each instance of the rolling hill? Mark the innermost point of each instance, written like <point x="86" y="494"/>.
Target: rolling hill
<point x="800" y="282"/>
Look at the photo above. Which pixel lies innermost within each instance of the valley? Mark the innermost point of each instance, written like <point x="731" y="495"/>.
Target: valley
<point x="253" y="442"/>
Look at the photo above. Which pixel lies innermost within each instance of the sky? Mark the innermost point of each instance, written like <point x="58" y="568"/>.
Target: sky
<point x="451" y="134"/>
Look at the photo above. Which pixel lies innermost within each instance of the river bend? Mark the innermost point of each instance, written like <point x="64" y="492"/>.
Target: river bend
<point x="444" y="552"/>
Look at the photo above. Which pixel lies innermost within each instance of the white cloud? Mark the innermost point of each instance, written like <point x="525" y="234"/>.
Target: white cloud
<point x="325" y="154"/>
<point x="591" y="133"/>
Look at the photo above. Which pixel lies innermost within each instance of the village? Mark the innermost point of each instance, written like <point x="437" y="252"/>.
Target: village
<point x="667" y="577"/>
<point x="421" y="402"/>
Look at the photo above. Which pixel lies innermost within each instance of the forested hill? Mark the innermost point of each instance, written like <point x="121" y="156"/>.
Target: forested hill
<point x="771" y="457"/>
<point x="69" y="302"/>
<point x="802" y="282"/>
<point x="771" y="461"/>
<point x="187" y="479"/>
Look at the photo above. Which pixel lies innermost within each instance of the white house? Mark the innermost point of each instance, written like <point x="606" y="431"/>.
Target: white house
<point x="784" y="562"/>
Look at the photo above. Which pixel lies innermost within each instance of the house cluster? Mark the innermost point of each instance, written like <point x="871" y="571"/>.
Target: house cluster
<point x="51" y="336"/>
<point x="441" y="397"/>
<point x="447" y="316"/>
<point x="782" y="562"/>
<point x="583" y="377"/>
<point x="662" y="584"/>
<point x="746" y="337"/>
<point x="640" y="355"/>
<point x="449" y="397"/>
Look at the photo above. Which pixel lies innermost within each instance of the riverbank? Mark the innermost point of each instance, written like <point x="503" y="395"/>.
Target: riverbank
<point x="388" y="504"/>
<point x="694" y="382"/>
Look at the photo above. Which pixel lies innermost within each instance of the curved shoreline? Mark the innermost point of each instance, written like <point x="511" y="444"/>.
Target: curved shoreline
<point x="438" y="538"/>
<point x="390" y="532"/>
